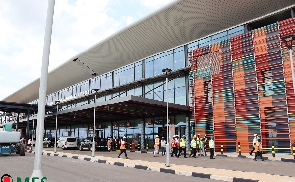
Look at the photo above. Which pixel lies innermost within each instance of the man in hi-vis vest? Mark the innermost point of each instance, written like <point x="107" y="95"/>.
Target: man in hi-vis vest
<point x="182" y="146"/>
<point x="156" y="145"/>
<point x="211" y="146"/>
<point x="258" y="150"/>
<point x="254" y="142"/>
<point x="194" y="147"/>
<point x="123" y="147"/>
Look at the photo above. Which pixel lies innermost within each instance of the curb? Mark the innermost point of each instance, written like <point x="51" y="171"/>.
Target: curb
<point x="156" y="169"/>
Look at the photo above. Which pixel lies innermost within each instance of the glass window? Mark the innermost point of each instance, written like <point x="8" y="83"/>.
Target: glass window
<point x="179" y="82"/>
<point x="148" y="67"/>
<point x="130" y="92"/>
<point x="123" y="76"/>
<point x="179" y="58"/>
<point x="148" y="91"/>
<point x="116" y="77"/>
<point x="108" y="97"/>
<point x="138" y="70"/>
<point x="219" y="37"/>
<point x="106" y="81"/>
<point x="204" y="42"/>
<point x="75" y="94"/>
<point x="130" y="73"/>
<point x="192" y="46"/>
<point x="167" y="60"/>
<point x="158" y="91"/>
<point x="235" y="31"/>
<point x="158" y="65"/>
<point x="138" y="91"/>
<point x="180" y="96"/>
<point x="95" y="83"/>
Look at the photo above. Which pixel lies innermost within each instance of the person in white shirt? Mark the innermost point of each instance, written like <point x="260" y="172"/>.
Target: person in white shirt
<point x="163" y="146"/>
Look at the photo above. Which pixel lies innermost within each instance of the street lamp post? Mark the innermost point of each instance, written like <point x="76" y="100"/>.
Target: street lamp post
<point x="56" y="103"/>
<point x="94" y="128"/>
<point x="37" y="172"/>
<point x="166" y="71"/>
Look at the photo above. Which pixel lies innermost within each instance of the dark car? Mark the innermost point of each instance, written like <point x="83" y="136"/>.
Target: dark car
<point x="85" y="144"/>
<point x="100" y="144"/>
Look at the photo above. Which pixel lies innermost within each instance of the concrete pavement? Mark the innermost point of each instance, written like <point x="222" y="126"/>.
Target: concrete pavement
<point x="222" y="168"/>
<point x="62" y="169"/>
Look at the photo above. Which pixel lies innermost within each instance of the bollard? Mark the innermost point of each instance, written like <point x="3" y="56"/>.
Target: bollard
<point x="221" y="148"/>
<point x="130" y="146"/>
<point x="116" y="146"/>
<point x="147" y="147"/>
<point x="273" y="150"/>
<point x="294" y="149"/>
<point x="138" y="146"/>
<point x="239" y="147"/>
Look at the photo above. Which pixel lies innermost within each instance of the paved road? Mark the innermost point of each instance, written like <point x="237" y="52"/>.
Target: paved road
<point x="230" y="163"/>
<point x="58" y="169"/>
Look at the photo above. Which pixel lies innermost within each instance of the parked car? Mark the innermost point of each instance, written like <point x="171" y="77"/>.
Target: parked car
<point x="68" y="142"/>
<point x="100" y="144"/>
<point x="85" y="144"/>
<point x="48" y="142"/>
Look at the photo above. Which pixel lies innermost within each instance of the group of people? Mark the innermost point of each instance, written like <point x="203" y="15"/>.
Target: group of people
<point x="197" y="144"/>
<point x="178" y="145"/>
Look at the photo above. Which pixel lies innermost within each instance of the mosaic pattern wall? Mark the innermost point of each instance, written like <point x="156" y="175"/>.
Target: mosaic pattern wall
<point x="243" y="86"/>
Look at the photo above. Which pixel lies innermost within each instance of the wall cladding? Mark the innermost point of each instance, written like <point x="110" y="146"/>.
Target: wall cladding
<point x="243" y="86"/>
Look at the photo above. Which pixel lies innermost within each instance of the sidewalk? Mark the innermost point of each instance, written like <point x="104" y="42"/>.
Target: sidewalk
<point x="231" y="168"/>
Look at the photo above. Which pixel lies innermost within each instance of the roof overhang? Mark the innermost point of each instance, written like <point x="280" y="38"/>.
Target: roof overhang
<point x="176" y="24"/>
<point x="115" y="110"/>
<point x="13" y="107"/>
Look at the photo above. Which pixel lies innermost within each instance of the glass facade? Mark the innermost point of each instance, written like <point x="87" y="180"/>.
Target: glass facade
<point x="232" y="73"/>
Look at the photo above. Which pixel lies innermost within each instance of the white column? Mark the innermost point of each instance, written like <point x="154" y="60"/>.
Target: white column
<point x="42" y="91"/>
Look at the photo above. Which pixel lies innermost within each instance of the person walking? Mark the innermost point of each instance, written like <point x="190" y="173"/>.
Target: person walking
<point x="198" y="145"/>
<point x="258" y="150"/>
<point x="211" y="146"/>
<point x="205" y="144"/>
<point x="123" y="147"/>
<point x="253" y="143"/>
<point x="163" y="146"/>
<point x="174" y="146"/>
<point x="202" y="147"/>
<point x="156" y="145"/>
<point x="194" y="147"/>
<point x="182" y="146"/>
<point x="109" y="144"/>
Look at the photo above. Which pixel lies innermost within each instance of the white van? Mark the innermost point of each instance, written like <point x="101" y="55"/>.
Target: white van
<point x="68" y="142"/>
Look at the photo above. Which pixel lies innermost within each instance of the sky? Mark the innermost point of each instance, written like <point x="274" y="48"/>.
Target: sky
<point x="77" y="25"/>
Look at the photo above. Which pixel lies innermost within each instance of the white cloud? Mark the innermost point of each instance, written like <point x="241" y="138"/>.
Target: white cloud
<point x="129" y="20"/>
<point x="76" y="27"/>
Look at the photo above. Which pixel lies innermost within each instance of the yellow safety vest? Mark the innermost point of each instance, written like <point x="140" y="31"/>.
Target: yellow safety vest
<point x="193" y="143"/>
<point x="182" y="143"/>
<point x="211" y="144"/>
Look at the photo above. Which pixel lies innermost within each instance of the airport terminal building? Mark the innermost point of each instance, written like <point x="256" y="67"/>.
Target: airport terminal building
<point x="229" y="77"/>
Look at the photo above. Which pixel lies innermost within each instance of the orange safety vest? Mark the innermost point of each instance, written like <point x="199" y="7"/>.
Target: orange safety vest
<point x="157" y="142"/>
<point x="123" y="145"/>
<point x="173" y="144"/>
<point x="258" y="147"/>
